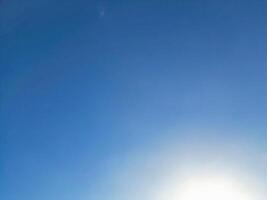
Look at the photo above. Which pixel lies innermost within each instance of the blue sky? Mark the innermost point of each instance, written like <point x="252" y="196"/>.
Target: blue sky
<point x="94" y="94"/>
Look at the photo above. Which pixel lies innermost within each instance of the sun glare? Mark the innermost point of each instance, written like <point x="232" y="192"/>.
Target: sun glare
<point x="212" y="188"/>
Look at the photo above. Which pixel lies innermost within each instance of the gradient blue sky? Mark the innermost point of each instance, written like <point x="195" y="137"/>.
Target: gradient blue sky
<point x="97" y="94"/>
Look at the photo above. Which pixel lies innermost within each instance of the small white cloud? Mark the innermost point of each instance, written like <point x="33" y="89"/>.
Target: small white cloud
<point x="102" y="12"/>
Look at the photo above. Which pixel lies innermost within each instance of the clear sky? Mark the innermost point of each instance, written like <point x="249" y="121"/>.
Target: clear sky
<point x="105" y="99"/>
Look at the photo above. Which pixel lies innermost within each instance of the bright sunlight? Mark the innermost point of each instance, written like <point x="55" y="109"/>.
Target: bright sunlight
<point x="211" y="188"/>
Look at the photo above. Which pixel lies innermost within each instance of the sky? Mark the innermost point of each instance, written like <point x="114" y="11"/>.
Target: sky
<point x="118" y="99"/>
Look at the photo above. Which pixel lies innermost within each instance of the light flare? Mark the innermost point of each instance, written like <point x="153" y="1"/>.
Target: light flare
<point x="211" y="188"/>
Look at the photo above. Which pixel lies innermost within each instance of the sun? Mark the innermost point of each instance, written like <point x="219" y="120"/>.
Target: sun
<point x="211" y="188"/>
